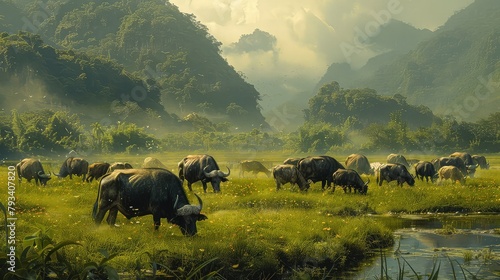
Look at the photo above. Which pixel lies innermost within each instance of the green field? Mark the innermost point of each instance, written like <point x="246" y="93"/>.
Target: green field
<point x="252" y="231"/>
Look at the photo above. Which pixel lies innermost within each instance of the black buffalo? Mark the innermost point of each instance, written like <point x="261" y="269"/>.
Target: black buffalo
<point x="30" y="168"/>
<point x="288" y="173"/>
<point x="202" y="168"/>
<point x="349" y="178"/>
<point x="481" y="161"/>
<point x="97" y="170"/>
<point x="148" y="191"/>
<point x="359" y="163"/>
<point x="74" y="166"/>
<point x="394" y="171"/>
<point x="425" y="169"/>
<point x="253" y="166"/>
<point x="450" y="161"/>
<point x="469" y="162"/>
<point x="319" y="168"/>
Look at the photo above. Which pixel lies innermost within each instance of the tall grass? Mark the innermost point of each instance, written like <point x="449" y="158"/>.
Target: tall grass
<point x="252" y="231"/>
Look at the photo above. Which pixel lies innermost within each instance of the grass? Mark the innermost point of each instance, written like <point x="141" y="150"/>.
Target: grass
<point x="252" y="231"/>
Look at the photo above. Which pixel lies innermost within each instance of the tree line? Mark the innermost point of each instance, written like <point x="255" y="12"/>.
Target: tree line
<point x="48" y="132"/>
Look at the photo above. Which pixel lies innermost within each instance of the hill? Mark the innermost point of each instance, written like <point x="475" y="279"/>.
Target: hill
<point x="453" y="72"/>
<point x="154" y="41"/>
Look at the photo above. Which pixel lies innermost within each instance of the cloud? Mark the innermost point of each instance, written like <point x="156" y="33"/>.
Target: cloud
<point x="306" y="36"/>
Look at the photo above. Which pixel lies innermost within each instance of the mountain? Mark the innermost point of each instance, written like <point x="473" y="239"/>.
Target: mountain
<point x="395" y="39"/>
<point x="36" y="76"/>
<point x="454" y="72"/>
<point x="154" y="41"/>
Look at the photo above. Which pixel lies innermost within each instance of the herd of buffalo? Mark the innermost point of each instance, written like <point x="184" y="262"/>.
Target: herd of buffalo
<point x="153" y="189"/>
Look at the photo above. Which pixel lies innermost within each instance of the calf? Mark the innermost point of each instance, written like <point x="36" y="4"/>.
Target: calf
<point x="287" y="173"/>
<point x="349" y="178"/>
<point x="451" y="172"/>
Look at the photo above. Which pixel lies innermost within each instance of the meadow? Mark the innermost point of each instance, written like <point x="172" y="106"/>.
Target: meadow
<point x="252" y="231"/>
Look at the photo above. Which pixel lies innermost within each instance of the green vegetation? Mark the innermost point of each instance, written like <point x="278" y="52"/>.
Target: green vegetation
<point x="252" y="231"/>
<point x="454" y="71"/>
<point x="168" y="54"/>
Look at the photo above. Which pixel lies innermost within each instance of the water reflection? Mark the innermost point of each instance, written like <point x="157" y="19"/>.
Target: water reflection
<point x="472" y="250"/>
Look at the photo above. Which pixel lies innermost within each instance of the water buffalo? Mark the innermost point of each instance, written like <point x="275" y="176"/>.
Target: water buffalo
<point x="292" y="161"/>
<point x="119" y="165"/>
<point x="397" y="158"/>
<point x="97" y="170"/>
<point x="139" y="192"/>
<point x="468" y="161"/>
<point x="349" y="178"/>
<point x="481" y="161"/>
<point x="375" y="166"/>
<point x="450" y="161"/>
<point x="319" y="168"/>
<point x="74" y="166"/>
<point x="451" y="172"/>
<point x="394" y="171"/>
<point x="151" y="162"/>
<point x="425" y="169"/>
<point x="30" y="168"/>
<point x="359" y="163"/>
<point x="288" y="173"/>
<point x="202" y="168"/>
<point x="253" y="166"/>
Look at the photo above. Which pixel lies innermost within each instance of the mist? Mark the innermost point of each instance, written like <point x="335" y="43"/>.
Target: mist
<point x="309" y="36"/>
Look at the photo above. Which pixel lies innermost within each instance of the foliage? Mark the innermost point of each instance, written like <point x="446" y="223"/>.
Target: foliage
<point x="171" y="51"/>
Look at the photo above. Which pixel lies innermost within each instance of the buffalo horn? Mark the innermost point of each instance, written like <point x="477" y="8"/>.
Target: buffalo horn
<point x="199" y="201"/>
<point x="42" y="175"/>
<point x="210" y="174"/>
<point x="222" y="174"/>
<point x="176" y="200"/>
<point x="366" y="184"/>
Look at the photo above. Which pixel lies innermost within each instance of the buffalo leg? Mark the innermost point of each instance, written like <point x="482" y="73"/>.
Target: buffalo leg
<point x="113" y="212"/>
<point x="189" y="187"/>
<point x="278" y="186"/>
<point x="157" y="221"/>
<point x="204" y="186"/>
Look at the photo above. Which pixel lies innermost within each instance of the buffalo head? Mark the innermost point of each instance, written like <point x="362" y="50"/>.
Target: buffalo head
<point x="44" y="178"/>
<point x="215" y="177"/>
<point x="187" y="216"/>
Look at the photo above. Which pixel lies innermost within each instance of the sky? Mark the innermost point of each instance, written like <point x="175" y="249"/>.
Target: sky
<point x="297" y="40"/>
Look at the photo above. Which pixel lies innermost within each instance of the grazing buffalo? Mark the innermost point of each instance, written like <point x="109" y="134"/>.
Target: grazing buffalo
<point x="292" y="161"/>
<point x="481" y="161"/>
<point x="139" y="192"/>
<point x="97" y="170"/>
<point x="319" y="168"/>
<point x="288" y="173"/>
<point x="469" y="162"/>
<point x="119" y="165"/>
<point x="151" y="162"/>
<point x="450" y="161"/>
<point x="30" y="168"/>
<point x="253" y="166"/>
<point x="74" y="166"/>
<point x="451" y="172"/>
<point x="396" y="171"/>
<point x="349" y="178"/>
<point x="359" y="163"/>
<point x="202" y="168"/>
<point x="425" y="169"/>
<point x="397" y="158"/>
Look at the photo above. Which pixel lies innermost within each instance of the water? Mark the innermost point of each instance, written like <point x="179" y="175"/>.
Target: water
<point x="473" y="248"/>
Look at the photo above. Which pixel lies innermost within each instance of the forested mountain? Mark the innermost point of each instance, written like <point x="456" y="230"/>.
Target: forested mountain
<point x="361" y="107"/>
<point x="34" y="75"/>
<point x="154" y="41"/>
<point x="455" y="71"/>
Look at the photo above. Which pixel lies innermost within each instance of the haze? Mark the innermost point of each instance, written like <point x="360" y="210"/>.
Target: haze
<point x="297" y="40"/>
